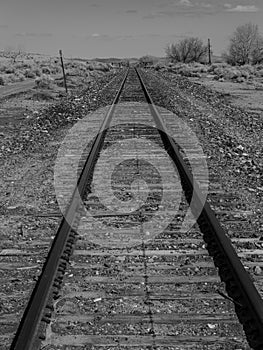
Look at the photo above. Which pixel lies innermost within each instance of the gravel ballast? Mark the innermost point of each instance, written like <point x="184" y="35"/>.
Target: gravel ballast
<point x="230" y="137"/>
<point x="29" y="210"/>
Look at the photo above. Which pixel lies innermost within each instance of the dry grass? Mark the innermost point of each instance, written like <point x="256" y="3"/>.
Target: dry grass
<point x="217" y="71"/>
<point x="39" y="67"/>
<point x="44" y="82"/>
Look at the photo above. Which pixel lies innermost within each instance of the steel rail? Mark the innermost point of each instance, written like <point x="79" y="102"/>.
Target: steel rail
<point x="249" y="292"/>
<point x="28" y="327"/>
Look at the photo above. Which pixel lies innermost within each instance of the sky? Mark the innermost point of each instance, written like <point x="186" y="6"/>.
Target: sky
<point x="120" y="28"/>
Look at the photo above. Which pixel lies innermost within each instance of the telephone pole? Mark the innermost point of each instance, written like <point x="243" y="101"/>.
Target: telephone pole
<point x="64" y="76"/>
<point x="209" y="52"/>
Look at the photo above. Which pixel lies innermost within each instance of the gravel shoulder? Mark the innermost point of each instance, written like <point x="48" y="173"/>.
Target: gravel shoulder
<point x="245" y="95"/>
<point x="231" y="138"/>
<point x="30" y="138"/>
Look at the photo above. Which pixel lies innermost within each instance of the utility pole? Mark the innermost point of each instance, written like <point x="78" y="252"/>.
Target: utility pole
<point x="64" y="76"/>
<point x="209" y="52"/>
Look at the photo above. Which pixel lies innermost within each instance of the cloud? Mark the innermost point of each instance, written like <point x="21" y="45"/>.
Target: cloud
<point x="241" y="8"/>
<point x="98" y="36"/>
<point x="180" y="36"/>
<point x="185" y="3"/>
<point x="131" y="11"/>
<point x="166" y="13"/>
<point x="35" y="35"/>
<point x="153" y="35"/>
<point x="151" y="16"/>
<point x="2" y="26"/>
<point x="205" y="5"/>
<point x="132" y="37"/>
<point x="183" y="8"/>
<point x="188" y="12"/>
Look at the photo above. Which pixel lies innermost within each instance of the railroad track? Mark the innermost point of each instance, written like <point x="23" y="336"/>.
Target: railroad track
<point x="138" y="271"/>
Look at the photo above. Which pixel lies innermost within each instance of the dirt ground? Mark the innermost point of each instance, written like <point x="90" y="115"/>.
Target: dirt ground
<point x="245" y="95"/>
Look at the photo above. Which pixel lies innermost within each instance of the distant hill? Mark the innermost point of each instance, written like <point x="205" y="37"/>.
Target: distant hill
<point x="115" y="59"/>
<point x="133" y="60"/>
<point x="107" y="60"/>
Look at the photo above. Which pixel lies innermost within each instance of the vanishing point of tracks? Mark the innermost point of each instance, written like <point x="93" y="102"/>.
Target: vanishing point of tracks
<point x="126" y="281"/>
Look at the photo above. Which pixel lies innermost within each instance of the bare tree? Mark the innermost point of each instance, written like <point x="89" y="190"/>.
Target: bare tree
<point x="257" y="52"/>
<point x="187" y="50"/>
<point x="172" y="53"/>
<point x="245" y="45"/>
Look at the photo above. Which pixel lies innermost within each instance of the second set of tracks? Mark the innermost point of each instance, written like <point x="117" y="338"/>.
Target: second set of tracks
<point x="128" y="275"/>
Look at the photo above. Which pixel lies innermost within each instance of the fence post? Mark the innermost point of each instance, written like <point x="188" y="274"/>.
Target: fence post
<point x="64" y="76"/>
<point x="209" y="52"/>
